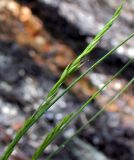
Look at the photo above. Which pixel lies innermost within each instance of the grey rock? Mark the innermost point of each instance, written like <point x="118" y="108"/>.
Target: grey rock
<point x="84" y="151"/>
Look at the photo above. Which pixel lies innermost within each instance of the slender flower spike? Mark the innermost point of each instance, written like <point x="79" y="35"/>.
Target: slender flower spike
<point x="76" y="63"/>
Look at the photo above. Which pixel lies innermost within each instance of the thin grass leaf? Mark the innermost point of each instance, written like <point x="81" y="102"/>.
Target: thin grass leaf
<point x="43" y="146"/>
<point x="49" y="100"/>
<point x="114" y="98"/>
<point x="100" y="90"/>
<point x="122" y="90"/>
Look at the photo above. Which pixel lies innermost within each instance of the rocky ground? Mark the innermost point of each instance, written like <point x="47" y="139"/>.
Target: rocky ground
<point x="37" y="40"/>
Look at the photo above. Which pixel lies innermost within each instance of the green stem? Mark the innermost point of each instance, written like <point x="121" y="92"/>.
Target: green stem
<point x="91" y="119"/>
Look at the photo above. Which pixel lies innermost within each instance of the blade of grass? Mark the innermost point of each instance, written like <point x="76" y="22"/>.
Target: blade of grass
<point x="43" y="146"/>
<point x="121" y="91"/>
<point x="114" y="98"/>
<point x="48" y="102"/>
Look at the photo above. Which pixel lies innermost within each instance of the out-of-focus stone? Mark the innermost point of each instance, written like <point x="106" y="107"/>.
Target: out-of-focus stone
<point x="19" y="155"/>
<point x="4" y="137"/>
<point x="83" y="151"/>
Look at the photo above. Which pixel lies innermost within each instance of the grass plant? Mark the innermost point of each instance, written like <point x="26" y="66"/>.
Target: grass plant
<point x="53" y="96"/>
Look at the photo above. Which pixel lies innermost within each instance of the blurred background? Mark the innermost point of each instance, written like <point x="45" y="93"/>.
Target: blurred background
<point x="38" y="39"/>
